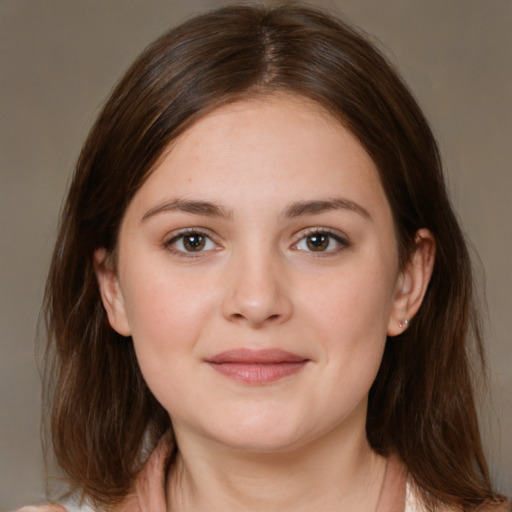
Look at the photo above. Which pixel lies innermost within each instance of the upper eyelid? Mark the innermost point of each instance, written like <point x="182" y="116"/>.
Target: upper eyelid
<point x="339" y="237"/>
<point x="175" y="235"/>
<point x="296" y="237"/>
<point x="299" y="235"/>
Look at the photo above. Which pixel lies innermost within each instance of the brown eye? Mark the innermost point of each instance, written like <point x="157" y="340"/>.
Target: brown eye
<point x="318" y="241"/>
<point x="194" y="242"/>
<point x="321" y="242"/>
<point x="191" y="242"/>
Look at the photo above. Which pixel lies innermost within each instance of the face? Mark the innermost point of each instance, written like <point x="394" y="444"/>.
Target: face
<point x="258" y="275"/>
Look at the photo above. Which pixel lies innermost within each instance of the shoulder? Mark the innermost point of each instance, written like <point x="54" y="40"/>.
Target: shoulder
<point x="44" y="508"/>
<point x="414" y="504"/>
<point x="54" y="507"/>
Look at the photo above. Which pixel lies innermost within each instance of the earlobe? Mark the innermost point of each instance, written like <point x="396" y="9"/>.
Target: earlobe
<point x="110" y="292"/>
<point x="412" y="283"/>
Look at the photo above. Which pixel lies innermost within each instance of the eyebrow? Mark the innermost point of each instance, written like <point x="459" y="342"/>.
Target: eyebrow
<point x="316" y="207"/>
<point x="293" y="210"/>
<point x="188" y="206"/>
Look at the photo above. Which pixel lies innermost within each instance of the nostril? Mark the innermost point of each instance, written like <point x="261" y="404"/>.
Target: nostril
<point x="252" y="319"/>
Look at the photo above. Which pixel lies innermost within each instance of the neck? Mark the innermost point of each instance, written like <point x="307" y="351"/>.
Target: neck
<point x="337" y="471"/>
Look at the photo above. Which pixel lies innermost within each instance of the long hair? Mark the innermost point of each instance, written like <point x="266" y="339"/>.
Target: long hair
<point x="421" y="405"/>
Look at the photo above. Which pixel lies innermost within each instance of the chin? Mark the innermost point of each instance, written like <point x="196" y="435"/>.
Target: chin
<point x="255" y="435"/>
<point x="263" y="443"/>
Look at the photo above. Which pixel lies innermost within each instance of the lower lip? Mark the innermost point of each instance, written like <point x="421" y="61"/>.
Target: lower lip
<point x="258" y="373"/>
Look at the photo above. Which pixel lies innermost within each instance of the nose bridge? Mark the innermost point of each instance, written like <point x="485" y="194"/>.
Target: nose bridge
<point x="258" y="292"/>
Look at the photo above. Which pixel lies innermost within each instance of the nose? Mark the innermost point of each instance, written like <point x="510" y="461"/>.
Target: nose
<point x="258" y="292"/>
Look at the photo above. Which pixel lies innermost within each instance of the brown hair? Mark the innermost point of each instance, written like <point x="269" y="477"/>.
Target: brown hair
<point x="421" y="405"/>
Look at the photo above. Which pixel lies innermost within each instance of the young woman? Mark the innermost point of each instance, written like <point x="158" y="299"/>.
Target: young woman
<point x="260" y="298"/>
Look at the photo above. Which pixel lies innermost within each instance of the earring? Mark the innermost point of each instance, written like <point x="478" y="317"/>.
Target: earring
<point x="403" y="324"/>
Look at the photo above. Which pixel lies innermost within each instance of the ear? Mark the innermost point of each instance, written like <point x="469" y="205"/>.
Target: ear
<point x="412" y="282"/>
<point x="110" y="292"/>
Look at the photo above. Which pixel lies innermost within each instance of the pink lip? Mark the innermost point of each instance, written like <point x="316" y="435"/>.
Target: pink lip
<point x="257" y="366"/>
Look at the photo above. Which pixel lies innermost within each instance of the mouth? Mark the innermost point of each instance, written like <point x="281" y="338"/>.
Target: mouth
<point x="257" y="367"/>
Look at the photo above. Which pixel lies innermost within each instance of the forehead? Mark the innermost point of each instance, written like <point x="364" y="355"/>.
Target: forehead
<point x="282" y="147"/>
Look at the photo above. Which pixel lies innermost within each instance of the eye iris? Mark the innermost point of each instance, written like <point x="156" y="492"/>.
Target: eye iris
<point x="318" y="242"/>
<point x="194" y="242"/>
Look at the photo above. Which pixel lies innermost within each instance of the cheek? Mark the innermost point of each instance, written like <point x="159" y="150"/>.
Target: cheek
<point x="349" y="316"/>
<point x="160" y="301"/>
<point x="353" y="348"/>
<point x="167" y="314"/>
<point x="355" y="301"/>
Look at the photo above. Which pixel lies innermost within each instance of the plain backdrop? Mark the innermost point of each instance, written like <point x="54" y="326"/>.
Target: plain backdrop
<point x="60" y="58"/>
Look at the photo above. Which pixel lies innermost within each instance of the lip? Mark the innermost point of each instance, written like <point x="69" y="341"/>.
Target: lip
<point x="257" y="367"/>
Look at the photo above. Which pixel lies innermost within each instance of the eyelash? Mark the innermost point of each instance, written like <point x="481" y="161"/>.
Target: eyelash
<point x="340" y="241"/>
<point x="169" y="244"/>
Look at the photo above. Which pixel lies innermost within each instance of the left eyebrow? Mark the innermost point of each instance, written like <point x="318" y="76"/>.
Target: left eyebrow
<point x="188" y="206"/>
<point x="316" y="207"/>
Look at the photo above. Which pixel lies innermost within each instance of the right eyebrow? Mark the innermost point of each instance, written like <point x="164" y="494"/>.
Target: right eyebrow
<point x="188" y="206"/>
<point x="316" y="207"/>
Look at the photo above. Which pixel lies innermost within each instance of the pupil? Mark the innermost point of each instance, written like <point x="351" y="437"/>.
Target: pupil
<point x="318" y="242"/>
<point x="194" y="242"/>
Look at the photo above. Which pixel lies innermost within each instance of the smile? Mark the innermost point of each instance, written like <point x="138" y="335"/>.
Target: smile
<point x="257" y="367"/>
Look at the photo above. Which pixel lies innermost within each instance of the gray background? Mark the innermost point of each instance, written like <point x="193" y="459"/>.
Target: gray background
<point x="59" y="60"/>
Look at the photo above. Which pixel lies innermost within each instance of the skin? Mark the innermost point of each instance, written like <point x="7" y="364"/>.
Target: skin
<point x="266" y="169"/>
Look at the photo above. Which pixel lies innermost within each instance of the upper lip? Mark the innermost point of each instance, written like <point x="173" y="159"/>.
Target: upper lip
<point x="251" y="356"/>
